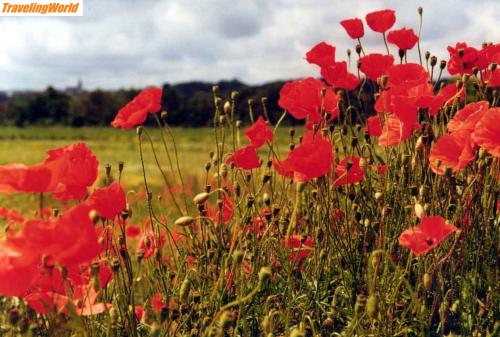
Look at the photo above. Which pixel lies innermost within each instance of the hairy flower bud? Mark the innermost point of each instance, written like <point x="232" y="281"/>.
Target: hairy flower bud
<point x="184" y="221"/>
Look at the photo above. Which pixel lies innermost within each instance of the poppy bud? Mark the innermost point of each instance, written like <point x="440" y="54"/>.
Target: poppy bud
<point x="138" y="130"/>
<point x="267" y="199"/>
<point x="238" y="256"/>
<point x="250" y="201"/>
<point x="348" y="53"/>
<point x="264" y="275"/>
<point x="108" y="170"/>
<point x="164" y="115"/>
<point x="448" y="171"/>
<point x="200" y="198"/>
<point x="378" y="195"/>
<point x="427" y="281"/>
<point x="434" y="61"/>
<point x="358" y="49"/>
<point x="215" y="89"/>
<point x="328" y="323"/>
<point x="227" y="108"/>
<point x="113" y="315"/>
<point x="420" y="11"/>
<point x="401" y="53"/>
<point x="184" y="221"/>
<point x="222" y="119"/>
<point x="263" y="100"/>
<point x="224" y="171"/>
<point x="372" y="306"/>
<point x="297" y="333"/>
<point x="423" y="191"/>
<point x="419" y="211"/>
<point x="427" y="55"/>
<point x="266" y="178"/>
<point x="493" y="66"/>
<point x="238" y="123"/>
<point x="184" y="290"/>
<point x="227" y="319"/>
<point x="234" y="95"/>
<point x="359" y="307"/>
<point x="155" y="330"/>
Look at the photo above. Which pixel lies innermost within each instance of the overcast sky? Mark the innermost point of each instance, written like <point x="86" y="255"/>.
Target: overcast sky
<point x="125" y="43"/>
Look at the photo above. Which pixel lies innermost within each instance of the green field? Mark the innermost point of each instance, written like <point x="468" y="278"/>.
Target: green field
<point x="29" y="145"/>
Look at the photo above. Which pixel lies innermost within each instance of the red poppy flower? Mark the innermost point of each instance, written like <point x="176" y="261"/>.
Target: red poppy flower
<point x="303" y="99"/>
<point x="462" y="59"/>
<point x="394" y="132"/>
<point x="321" y="54"/>
<point x="22" y="178"/>
<point x="381" y="21"/>
<point x="312" y="159"/>
<point x="348" y="172"/>
<point x="157" y="303"/>
<point x="467" y="117"/>
<point x="133" y="231"/>
<point x="374" y="126"/>
<point x="108" y="201"/>
<point x="429" y="234"/>
<point x="150" y="243"/>
<point x="487" y="132"/>
<point x="215" y="214"/>
<point x="300" y="246"/>
<point x="84" y="301"/>
<point x="493" y="78"/>
<point x="245" y="158"/>
<point x="338" y="76"/>
<point x="139" y="311"/>
<point x="453" y="150"/>
<point x="353" y="27"/>
<point x="259" y="133"/>
<point x="487" y="55"/>
<point x="407" y="75"/>
<point x="136" y="111"/>
<point x="283" y="171"/>
<point x="375" y="65"/>
<point x="74" y="168"/>
<point x="403" y="38"/>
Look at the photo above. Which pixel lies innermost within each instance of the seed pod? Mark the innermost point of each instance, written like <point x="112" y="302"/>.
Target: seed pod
<point x="14" y="316"/>
<point x="200" y="198"/>
<point x="184" y="221"/>
<point x="434" y="61"/>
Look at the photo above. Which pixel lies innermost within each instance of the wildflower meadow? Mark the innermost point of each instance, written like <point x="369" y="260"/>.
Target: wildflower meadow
<point x="378" y="216"/>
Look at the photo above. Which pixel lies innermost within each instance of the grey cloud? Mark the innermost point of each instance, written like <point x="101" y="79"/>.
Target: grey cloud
<point x="123" y="43"/>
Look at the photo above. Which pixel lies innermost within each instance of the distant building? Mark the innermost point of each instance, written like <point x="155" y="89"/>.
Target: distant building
<point x="75" y="91"/>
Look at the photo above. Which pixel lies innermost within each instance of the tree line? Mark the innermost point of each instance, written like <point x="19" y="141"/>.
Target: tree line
<point x="188" y="104"/>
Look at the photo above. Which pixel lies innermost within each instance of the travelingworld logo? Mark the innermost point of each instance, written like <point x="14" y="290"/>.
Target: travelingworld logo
<point x="41" y="8"/>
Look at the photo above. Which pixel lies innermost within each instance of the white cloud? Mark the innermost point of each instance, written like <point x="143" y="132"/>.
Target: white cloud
<point x="124" y="43"/>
